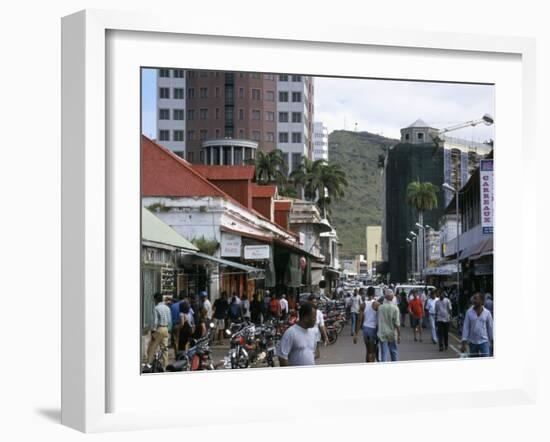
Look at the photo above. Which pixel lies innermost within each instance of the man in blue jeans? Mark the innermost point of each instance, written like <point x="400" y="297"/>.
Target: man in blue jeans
<point x="477" y="331"/>
<point x="389" y="332"/>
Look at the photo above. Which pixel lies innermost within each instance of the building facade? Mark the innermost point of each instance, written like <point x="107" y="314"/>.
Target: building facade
<point x="320" y="142"/>
<point x="374" y="247"/>
<point x="195" y="107"/>
<point x="295" y="118"/>
<point x="170" y="90"/>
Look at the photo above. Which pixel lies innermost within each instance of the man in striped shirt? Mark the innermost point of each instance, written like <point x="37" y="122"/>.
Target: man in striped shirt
<point x="162" y="319"/>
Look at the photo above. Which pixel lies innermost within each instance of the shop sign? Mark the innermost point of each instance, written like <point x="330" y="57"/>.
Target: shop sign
<point x="256" y="252"/>
<point x="486" y="197"/>
<point x="231" y="245"/>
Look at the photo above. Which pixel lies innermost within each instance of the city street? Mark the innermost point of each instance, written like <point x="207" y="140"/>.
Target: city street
<point x="344" y="351"/>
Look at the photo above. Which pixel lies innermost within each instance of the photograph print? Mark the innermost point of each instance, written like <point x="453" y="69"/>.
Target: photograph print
<point x="292" y="220"/>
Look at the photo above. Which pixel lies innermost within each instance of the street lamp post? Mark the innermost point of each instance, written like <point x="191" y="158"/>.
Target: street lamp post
<point x="410" y="241"/>
<point x="456" y="192"/>
<point x="417" y="261"/>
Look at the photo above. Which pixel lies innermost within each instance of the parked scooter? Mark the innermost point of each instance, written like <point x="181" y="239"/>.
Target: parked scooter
<point x="197" y="357"/>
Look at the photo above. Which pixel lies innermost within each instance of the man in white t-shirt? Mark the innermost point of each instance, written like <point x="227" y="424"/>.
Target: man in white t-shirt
<point x="368" y="323"/>
<point x="320" y="329"/>
<point x="430" y="307"/>
<point x="354" y="310"/>
<point x="284" y="306"/>
<point x="297" y="346"/>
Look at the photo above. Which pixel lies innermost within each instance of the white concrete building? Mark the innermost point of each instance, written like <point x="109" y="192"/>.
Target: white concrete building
<point x="320" y="142"/>
<point x="295" y="118"/>
<point x="171" y="109"/>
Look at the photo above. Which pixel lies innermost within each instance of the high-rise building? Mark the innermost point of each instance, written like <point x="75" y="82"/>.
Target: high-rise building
<point x="170" y="92"/>
<point x="320" y="142"/>
<point x="374" y="246"/>
<point x="295" y="118"/>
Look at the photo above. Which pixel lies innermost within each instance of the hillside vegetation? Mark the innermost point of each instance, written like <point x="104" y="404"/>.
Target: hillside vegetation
<point x="357" y="153"/>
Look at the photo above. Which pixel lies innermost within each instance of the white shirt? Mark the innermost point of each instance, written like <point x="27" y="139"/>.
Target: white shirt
<point x="284" y="304"/>
<point x="431" y="305"/>
<point x="370" y="318"/>
<point x="355" y="303"/>
<point x="208" y="306"/>
<point x="298" y="346"/>
<point x="319" y="322"/>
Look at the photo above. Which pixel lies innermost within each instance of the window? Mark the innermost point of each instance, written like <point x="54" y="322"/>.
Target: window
<point x="296" y="78"/>
<point x="241" y="92"/>
<point x="270" y="137"/>
<point x="241" y="114"/>
<point x="217" y="91"/>
<point x="296" y="137"/>
<point x="269" y="77"/>
<point x="191" y="74"/>
<point x="228" y="117"/>
<point x="283" y="97"/>
<point x="203" y="92"/>
<point x="179" y="73"/>
<point x="164" y="114"/>
<point x="296" y="160"/>
<point x="178" y="135"/>
<point x="256" y="115"/>
<point x="241" y="134"/>
<point x="203" y="74"/>
<point x="164" y="135"/>
<point x="296" y="117"/>
<point x="164" y="92"/>
<point x="238" y="155"/>
<point x="283" y="137"/>
<point x="190" y="135"/>
<point x="255" y="75"/>
<point x="270" y="96"/>
<point x="178" y="93"/>
<point x="178" y="114"/>
<point x="190" y="156"/>
<point x="296" y="97"/>
<point x="270" y="116"/>
<point x="218" y="113"/>
<point x="191" y="93"/>
<point x="256" y="135"/>
<point x="283" y="77"/>
<point x="217" y="133"/>
<point x="203" y="134"/>
<point x="420" y="136"/>
<point x="407" y="137"/>
<point x="203" y="114"/>
<point x="190" y="114"/>
<point x="255" y="94"/>
<point x="283" y="117"/>
<point x="164" y="73"/>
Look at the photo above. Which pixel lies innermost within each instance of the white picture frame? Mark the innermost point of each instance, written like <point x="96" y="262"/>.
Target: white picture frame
<point x="90" y="174"/>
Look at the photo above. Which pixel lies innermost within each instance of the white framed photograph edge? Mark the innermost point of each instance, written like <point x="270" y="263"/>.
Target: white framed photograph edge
<point x="84" y="188"/>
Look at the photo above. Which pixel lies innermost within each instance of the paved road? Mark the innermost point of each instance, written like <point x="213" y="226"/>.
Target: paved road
<point x="344" y="351"/>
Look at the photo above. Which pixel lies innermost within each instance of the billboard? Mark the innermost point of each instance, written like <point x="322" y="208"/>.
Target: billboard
<point x="231" y="245"/>
<point x="486" y="196"/>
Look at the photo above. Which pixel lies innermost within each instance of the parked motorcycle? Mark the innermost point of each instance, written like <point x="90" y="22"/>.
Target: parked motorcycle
<point x="197" y="357"/>
<point x="251" y="345"/>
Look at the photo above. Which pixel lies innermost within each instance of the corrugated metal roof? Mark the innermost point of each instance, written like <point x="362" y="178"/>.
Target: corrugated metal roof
<point x="156" y="231"/>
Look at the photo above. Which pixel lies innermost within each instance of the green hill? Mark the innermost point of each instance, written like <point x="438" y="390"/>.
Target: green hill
<point x="358" y="154"/>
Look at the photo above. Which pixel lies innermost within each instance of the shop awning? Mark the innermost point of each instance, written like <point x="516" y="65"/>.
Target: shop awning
<point x="156" y="233"/>
<point x="485" y="249"/>
<point x="228" y="263"/>
<point x="258" y="273"/>
<point x="441" y="270"/>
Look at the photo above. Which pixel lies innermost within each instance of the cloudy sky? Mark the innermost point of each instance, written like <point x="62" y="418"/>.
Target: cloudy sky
<point x="379" y="106"/>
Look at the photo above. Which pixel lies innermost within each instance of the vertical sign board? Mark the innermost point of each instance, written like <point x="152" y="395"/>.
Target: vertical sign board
<point x="486" y="196"/>
<point x="231" y="245"/>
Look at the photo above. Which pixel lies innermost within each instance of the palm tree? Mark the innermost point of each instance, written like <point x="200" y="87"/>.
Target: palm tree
<point x="270" y="167"/>
<point x="303" y="175"/>
<point x="422" y="197"/>
<point x="329" y="184"/>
